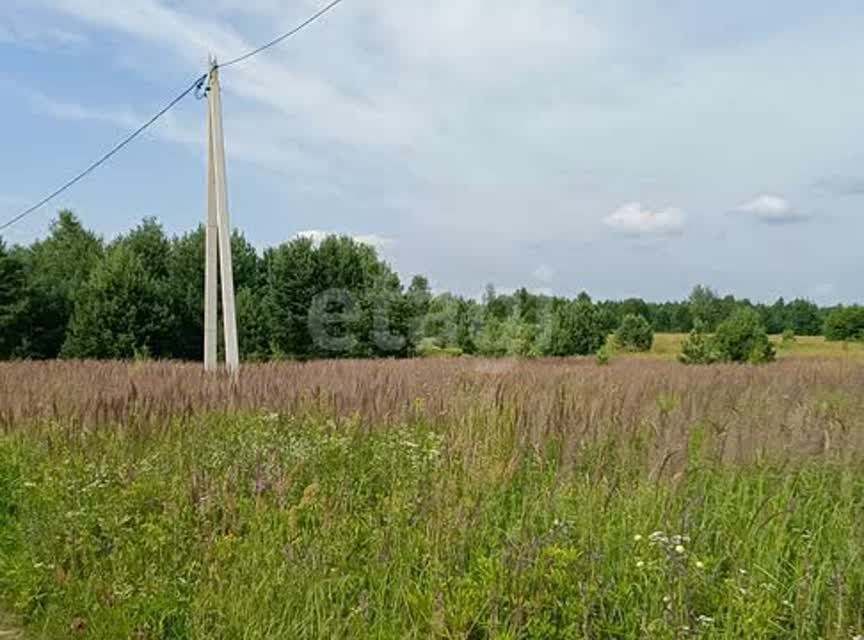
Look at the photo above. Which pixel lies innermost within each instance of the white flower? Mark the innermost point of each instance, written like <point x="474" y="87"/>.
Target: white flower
<point x="640" y="564"/>
<point x="658" y="536"/>
<point x="680" y="549"/>
<point x="637" y="538"/>
<point x="700" y="564"/>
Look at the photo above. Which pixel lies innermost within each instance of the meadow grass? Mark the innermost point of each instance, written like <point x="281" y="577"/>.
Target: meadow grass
<point x="668" y="345"/>
<point x="434" y="499"/>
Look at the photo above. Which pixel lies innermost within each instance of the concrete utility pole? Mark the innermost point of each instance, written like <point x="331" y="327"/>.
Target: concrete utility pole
<point x="218" y="230"/>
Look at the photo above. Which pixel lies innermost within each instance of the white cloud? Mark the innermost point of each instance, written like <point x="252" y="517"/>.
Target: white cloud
<point x="373" y="240"/>
<point x="409" y="83"/>
<point x="124" y="119"/>
<point x="634" y="219"/>
<point x="478" y="123"/>
<point x="823" y="290"/>
<point x="769" y="208"/>
<point x="40" y="37"/>
<point x="315" y="235"/>
<point x="544" y="273"/>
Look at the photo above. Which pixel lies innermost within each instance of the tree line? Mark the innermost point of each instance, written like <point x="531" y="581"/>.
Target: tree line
<point x="73" y="295"/>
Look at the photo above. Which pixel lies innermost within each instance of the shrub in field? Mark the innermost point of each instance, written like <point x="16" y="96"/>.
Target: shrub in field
<point x="804" y="318"/>
<point x="572" y="329"/>
<point x="742" y="338"/>
<point x="604" y="357"/>
<point x="698" y="347"/>
<point x="430" y="348"/>
<point x="635" y="334"/>
<point x="844" y="324"/>
<point x="519" y="337"/>
<point x="465" y="330"/>
<point x="490" y="339"/>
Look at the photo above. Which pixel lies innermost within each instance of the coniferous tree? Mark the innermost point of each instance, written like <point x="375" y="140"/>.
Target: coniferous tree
<point x="13" y="302"/>
<point x="57" y="270"/>
<point x="635" y="334"/>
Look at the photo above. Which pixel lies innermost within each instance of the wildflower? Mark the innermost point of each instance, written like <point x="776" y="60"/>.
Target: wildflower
<point x="700" y="564"/>
<point x="658" y="537"/>
<point x="637" y="538"/>
<point x="680" y="549"/>
<point x="640" y="564"/>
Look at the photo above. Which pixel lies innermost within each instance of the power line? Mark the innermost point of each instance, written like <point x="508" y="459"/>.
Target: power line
<point x="195" y="85"/>
<point x="284" y="36"/>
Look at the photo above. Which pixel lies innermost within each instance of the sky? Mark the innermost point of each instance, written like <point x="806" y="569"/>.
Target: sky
<point x="623" y="147"/>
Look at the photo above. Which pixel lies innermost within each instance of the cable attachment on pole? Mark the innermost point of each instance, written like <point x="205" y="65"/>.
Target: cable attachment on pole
<point x="201" y="90"/>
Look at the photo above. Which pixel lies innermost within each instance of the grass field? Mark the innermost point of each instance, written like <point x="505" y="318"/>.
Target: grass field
<point x="455" y="498"/>
<point x="669" y="345"/>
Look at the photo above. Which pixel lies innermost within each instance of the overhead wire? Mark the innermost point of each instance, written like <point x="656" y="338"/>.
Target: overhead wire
<point x="114" y="151"/>
<point x="315" y="17"/>
<point x="197" y="86"/>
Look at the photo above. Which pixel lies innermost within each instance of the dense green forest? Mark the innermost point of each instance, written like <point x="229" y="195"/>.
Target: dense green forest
<point x="73" y="295"/>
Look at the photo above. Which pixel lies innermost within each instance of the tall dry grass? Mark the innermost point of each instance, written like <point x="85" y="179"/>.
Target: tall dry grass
<point x="797" y="408"/>
<point x="433" y="499"/>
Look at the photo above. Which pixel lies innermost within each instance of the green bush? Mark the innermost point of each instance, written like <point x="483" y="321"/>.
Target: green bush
<point x="845" y="323"/>
<point x="571" y="329"/>
<point x="604" y="356"/>
<point x="635" y="334"/>
<point x="742" y="338"/>
<point x="698" y="347"/>
<point x="430" y="348"/>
